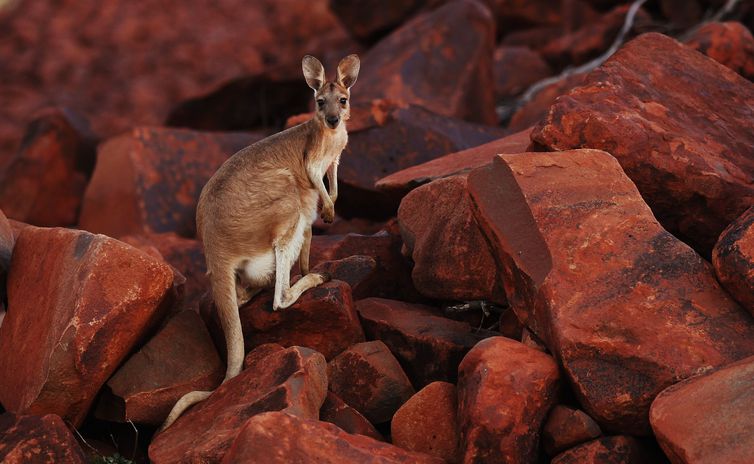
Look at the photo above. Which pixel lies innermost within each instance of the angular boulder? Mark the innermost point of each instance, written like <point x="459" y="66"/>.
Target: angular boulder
<point x="296" y="439"/>
<point x="452" y="260"/>
<point x="733" y="259"/>
<point x="593" y="274"/>
<point x="567" y="427"/>
<point x="707" y="419"/>
<point x="44" y="182"/>
<point x="369" y="378"/>
<point x="293" y="380"/>
<point x="77" y="305"/>
<point x="429" y="346"/>
<point x="38" y="440"/>
<point x="516" y="68"/>
<point x="336" y="411"/>
<point x="153" y="177"/>
<point x="504" y="392"/>
<point x="619" y="449"/>
<point x="730" y="43"/>
<point x="179" y="359"/>
<point x="358" y="271"/>
<point x="654" y="106"/>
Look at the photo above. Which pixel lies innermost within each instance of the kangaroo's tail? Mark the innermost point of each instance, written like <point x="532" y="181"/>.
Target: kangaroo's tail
<point x="224" y="295"/>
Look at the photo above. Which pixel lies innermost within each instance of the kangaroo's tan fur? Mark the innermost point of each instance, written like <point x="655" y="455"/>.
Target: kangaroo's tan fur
<point x="255" y="214"/>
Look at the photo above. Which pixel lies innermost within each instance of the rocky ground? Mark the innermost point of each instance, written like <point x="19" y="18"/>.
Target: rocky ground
<point x="522" y="272"/>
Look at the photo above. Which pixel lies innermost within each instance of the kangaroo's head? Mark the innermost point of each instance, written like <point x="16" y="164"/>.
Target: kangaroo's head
<point x="332" y="98"/>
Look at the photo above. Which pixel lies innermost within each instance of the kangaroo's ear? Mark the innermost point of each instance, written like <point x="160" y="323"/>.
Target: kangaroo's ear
<point x="348" y="71"/>
<point x="313" y="72"/>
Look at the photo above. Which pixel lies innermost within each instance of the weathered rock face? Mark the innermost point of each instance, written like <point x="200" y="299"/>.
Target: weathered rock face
<point x="37" y="439"/>
<point x="707" y="419"/>
<point x="402" y="182"/>
<point x="730" y="44"/>
<point x="358" y="271"/>
<point x="428" y="423"/>
<point x="179" y="359"/>
<point x="77" y="304"/>
<point x="293" y="380"/>
<point x="452" y="260"/>
<point x="153" y="177"/>
<point x="336" y="411"/>
<point x="567" y="427"/>
<point x="382" y="386"/>
<point x="607" y="450"/>
<point x="45" y="181"/>
<point x="426" y="63"/>
<point x="654" y="107"/>
<point x="429" y="346"/>
<point x="296" y="439"/>
<point x="733" y="259"/>
<point x="399" y="138"/>
<point x="532" y="111"/>
<point x="591" y="272"/>
<point x="515" y="69"/>
<point x="504" y="392"/>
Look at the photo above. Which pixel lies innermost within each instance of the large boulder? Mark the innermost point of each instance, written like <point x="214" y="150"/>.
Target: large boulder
<point x="37" y="440"/>
<point x="516" y="68"/>
<point x="504" y="392"/>
<point x="707" y="419"/>
<point x="733" y="259"/>
<point x="153" y="177"/>
<point x="77" y="305"/>
<point x="654" y="106"/>
<point x="593" y="274"/>
<point x="293" y="380"/>
<point x="369" y="20"/>
<point x="730" y="44"/>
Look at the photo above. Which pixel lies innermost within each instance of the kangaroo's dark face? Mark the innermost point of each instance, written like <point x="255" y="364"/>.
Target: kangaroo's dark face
<point x="332" y="98"/>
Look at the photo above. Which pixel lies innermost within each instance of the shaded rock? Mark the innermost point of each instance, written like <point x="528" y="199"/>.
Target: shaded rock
<point x="533" y="37"/>
<point x="427" y="422"/>
<point x="7" y="240"/>
<point x="402" y="182"/>
<point x="258" y="354"/>
<point x="77" y="305"/>
<point x="358" y="271"/>
<point x="452" y="260"/>
<point x="733" y="259"/>
<point x="297" y="439"/>
<point x="563" y="14"/>
<point x="567" y="427"/>
<point x="683" y="13"/>
<point x="707" y="419"/>
<point x="369" y="378"/>
<point x="429" y="346"/>
<point x="593" y="274"/>
<point x="730" y="44"/>
<point x="37" y="440"/>
<point x="653" y="106"/>
<point x="179" y="359"/>
<point x="534" y="109"/>
<point x="516" y="68"/>
<point x="504" y="392"/>
<point x="426" y="63"/>
<point x="619" y="449"/>
<point x="293" y="380"/>
<point x="44" y="182"/>
<point x="335" y="411"/>
<point x="369" y="20"/>
<point x="153" y="177"/>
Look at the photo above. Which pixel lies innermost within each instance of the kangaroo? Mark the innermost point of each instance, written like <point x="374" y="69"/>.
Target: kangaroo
<point x="255" y="214"/>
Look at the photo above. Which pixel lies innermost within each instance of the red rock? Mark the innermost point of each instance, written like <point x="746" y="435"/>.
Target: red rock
<point x="342" y="226"/>
<point x="295" y="439"/>
<point x="427" y="422"/>
<point x="77" y="305"/>
<point x="683" y="14"/>
<point x="733" y="259"/>
<point x="504" y="392"/>
<point x="453" y="164"/>
<point x="337" y="412"/>
<point x="152" y="177"/>
<point x="707" y="419"/>
<point x="429" y="346"/>
<point x="401" y="138"/>
<point x="258" y="354"/>
<point x="179" y="359"/>
<point x="7" y="240"/>
<point x="607" y="450"/>
<point x="565" y="14"/>
<point x="653" y="106"/>
<point x="452" y="260"/>
<point x="372" y="19"/>
<point x="293" y="380"/>
<point x="134" y="80"/>
<point x="567" y="427"/>
<point x="369" y="378"/>
<point x="358" y="271"/>
<point x="532" y="37"/>
<point x="531" y="111"/>
<point x="532" y="341"/>
<point x="730" y="44"/>
<point x="45" y="181"/>
<point x="425" y="63"/>
<point x="516" y="68"/>
<point x="37" y="440"/>
<point x="593" y="274"/>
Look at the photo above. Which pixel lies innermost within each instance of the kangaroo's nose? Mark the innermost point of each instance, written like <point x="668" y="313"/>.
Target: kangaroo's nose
<point x="332" y="121"/>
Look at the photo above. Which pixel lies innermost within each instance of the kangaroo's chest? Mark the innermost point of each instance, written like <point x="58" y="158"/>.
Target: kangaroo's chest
<point x="327" y="151"/>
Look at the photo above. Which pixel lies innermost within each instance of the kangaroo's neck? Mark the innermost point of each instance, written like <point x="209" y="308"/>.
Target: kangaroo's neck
<point x="324" y="143"/>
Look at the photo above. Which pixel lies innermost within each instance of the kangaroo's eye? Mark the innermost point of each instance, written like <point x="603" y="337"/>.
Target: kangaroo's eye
<point x="343" y="101"/>
<point x="320" y="102"/>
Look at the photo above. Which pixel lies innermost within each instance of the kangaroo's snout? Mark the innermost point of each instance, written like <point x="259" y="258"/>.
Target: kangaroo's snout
<point x="332" y="121"/>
